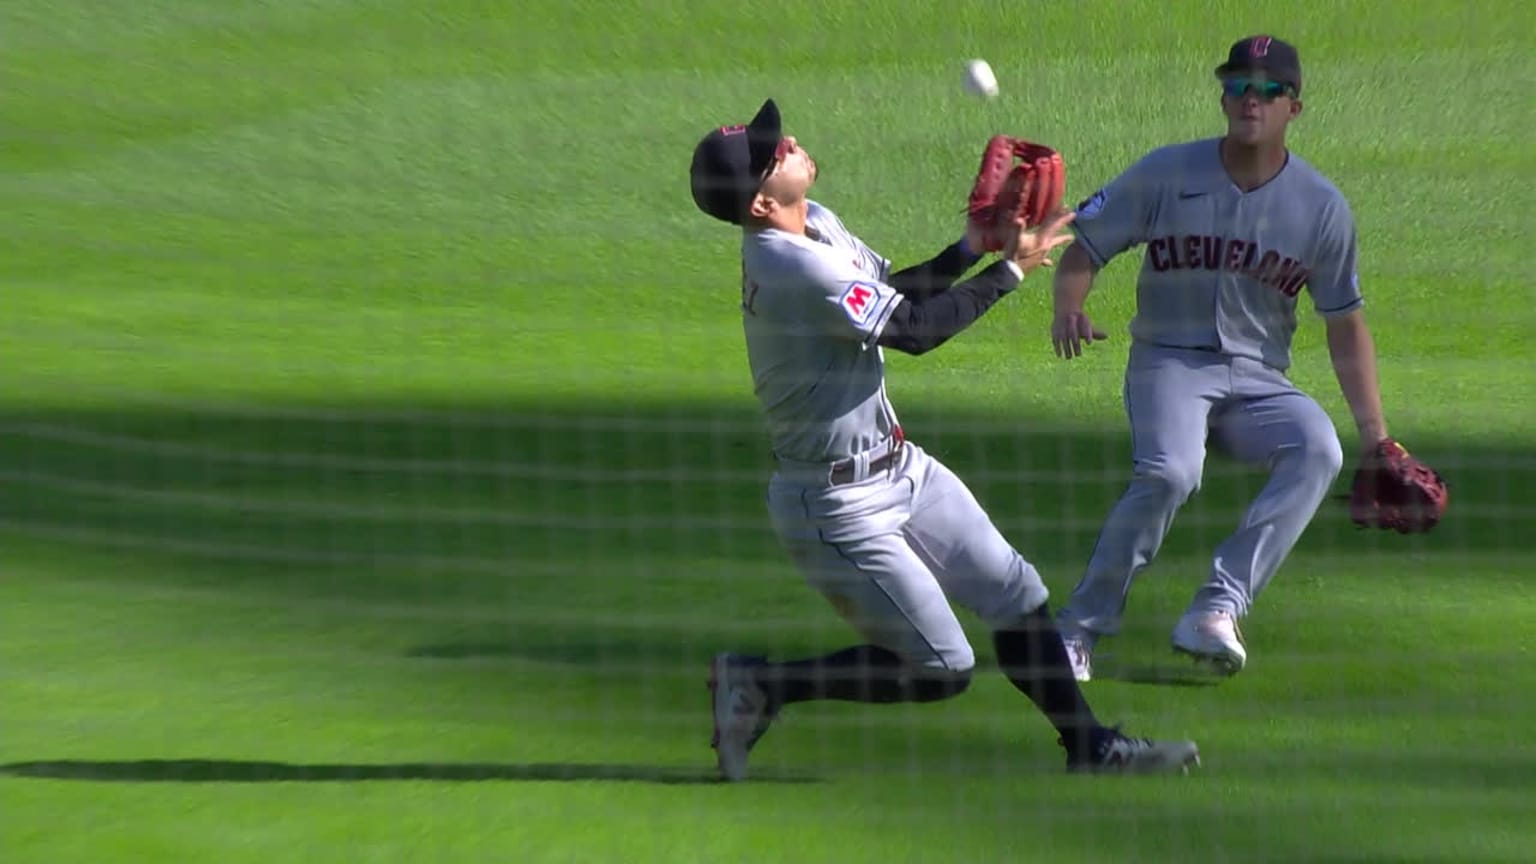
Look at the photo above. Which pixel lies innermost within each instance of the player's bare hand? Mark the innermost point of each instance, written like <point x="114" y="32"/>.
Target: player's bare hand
<point x="1031" y="247"/>
<point x="1070" y="331"/>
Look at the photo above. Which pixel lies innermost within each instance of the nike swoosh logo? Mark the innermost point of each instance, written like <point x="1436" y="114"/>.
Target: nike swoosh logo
<point x="1183" y="195"/>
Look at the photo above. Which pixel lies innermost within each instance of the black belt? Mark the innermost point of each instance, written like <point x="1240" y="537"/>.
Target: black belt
<point x="842" y="472"/>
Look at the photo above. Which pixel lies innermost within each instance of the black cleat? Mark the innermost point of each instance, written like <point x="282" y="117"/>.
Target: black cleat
<point x="1115" y="753"/>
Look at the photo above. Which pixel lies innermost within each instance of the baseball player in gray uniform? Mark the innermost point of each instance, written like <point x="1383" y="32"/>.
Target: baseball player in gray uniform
<point x="1234" y="228"/>
<point x="881" y="528"/>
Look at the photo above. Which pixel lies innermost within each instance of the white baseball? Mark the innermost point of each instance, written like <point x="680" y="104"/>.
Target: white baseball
<point x="979" y="80"/>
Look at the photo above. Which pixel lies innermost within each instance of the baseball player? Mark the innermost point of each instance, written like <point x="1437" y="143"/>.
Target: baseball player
<point x="882" y="529"/>
<point x="1234" y="228"/>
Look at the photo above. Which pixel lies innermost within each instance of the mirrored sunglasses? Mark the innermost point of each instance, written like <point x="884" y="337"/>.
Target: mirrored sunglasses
<point x="1267" y="91"/>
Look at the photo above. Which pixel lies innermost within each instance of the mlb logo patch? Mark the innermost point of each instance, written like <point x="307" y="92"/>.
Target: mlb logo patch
<point x="858" y="302"/>
<point x="1090" y="208"/>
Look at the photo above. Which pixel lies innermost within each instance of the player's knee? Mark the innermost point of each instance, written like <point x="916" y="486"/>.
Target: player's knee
<point x="1320" y="454"/>
<point x="932" y="685"/>
<point x="1171" y="480"/>
<point x="944" y="674"/>
<point x="1018" y="593"/>
<point x="952" y="659"/>
<point x="1330" y="455"/>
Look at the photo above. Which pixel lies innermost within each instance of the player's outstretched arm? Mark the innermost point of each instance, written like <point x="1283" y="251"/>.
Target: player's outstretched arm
<point x="919" y="326"/>
<point x="916" y="327"/>
<point x="936" y="275"/>
<point x="1070" y="325"/>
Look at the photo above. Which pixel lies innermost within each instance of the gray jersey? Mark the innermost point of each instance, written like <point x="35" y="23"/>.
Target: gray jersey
<point x="1222" y="268"/>
<point x="812" y="308"/>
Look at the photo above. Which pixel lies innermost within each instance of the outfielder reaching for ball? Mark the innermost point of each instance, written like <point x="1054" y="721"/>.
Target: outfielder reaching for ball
<point x="882" y="529"/>
<point x="1234" y="228"/>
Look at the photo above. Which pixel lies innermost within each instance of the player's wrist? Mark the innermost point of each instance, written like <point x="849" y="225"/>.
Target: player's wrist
<point x="971" y="254"/>
<point x="1372" y="434"/>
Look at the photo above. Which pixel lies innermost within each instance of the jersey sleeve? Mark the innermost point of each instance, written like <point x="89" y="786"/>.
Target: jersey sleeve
<point x="845" y="303"/>
<point x="857" y="308"/>
<point x="1121" y="214"/>
<point x="816" y="287"/>
<point x="1334" y="282"/>
<point x="881" y="263"/>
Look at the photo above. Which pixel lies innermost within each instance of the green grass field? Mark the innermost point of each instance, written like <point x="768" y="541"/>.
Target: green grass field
<point x="379" y="467"/>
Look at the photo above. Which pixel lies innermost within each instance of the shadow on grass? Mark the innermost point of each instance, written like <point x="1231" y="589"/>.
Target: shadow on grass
<point x="486" y="491"/>
<point x="610" y="537"/>
<point x="236" y="771"/>
<point x="1175" y="672"/>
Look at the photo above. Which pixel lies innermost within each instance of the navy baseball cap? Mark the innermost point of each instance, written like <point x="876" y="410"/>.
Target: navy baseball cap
<point x="729" y="164"/>
<point x="1276" y="59"/>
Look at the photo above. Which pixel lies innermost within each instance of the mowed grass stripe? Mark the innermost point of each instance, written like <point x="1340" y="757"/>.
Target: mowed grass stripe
<point x="323" y="215"/>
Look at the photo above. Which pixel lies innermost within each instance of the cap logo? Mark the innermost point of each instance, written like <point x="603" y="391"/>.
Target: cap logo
<point x="733" y="130"/>
<point x="1259" y="47"/>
